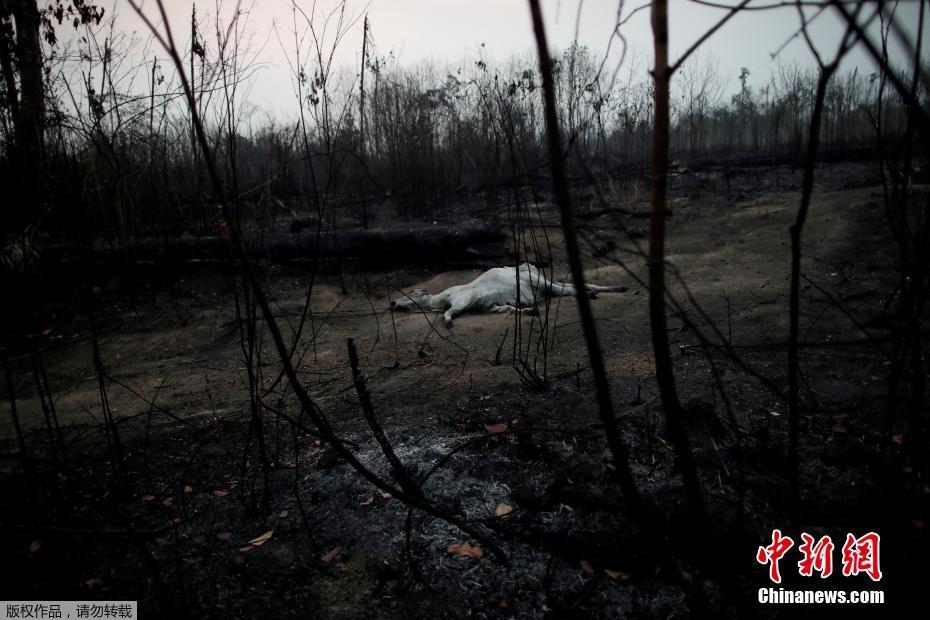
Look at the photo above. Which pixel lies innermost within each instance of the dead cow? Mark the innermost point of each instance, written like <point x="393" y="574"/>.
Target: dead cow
<point x="501" y="289"/>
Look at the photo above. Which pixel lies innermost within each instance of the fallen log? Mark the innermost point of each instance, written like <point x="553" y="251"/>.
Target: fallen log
<point x="413" y="245"/>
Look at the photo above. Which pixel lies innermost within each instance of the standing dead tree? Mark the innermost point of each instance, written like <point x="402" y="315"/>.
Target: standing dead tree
<point x="908" y="216"/>
<point x="665" y="376"/>
<point x="14" y="412"/>
<point x="23" y="26"/>
<point x="564" y="201"/>
<point x="662" y="74"/>
<point x="826" y="71"/>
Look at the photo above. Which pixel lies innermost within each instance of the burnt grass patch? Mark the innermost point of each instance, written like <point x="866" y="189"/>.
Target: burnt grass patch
<point x="182" y="518"/>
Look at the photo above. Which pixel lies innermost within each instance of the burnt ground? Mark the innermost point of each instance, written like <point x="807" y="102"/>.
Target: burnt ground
<point x="170" y="524"/>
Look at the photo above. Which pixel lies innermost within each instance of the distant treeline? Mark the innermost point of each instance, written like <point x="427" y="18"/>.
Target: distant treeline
<point x="118" y="152"/>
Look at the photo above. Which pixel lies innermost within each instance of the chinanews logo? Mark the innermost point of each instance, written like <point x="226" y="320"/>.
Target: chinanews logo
<point x="859" y="555"/>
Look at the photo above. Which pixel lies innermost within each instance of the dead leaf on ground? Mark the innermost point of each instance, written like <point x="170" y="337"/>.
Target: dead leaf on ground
<point x="224" y="535"/>
<point x="283" y="514"/>
<point x="616" y="574"/>
<point x="465" y="550"/>
<point x="93" y="583"/>
<point x="586" y="567"/>
<point x="368" y="501"/>
<point x="35" y="546"/>
<point x="496" y="428"/>
<point x="219" y="493"/>
<point x="188" y="488"/>
<point x="487" y="397"/>
<point x="385" y="494"/>
<point x="176" y="521"/>
<point x="261" y="540"/>
<point x="503" y="510"/>
<point x="148" y="498"/>
<point x="331" y="555"/>
<point x="168" y="502"/>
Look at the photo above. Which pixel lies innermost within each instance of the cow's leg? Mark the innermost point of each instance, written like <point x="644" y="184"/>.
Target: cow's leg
<point x="594" y="288"/>
<point x="559" y="288"/>
<point x="459" y="302"/>
<point x="509" y="308"/>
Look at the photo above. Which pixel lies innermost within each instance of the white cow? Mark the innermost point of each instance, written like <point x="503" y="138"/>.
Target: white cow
<point x="501" y="289"/>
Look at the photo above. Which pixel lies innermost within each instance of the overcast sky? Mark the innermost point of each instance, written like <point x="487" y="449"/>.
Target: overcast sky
<point x="453" y="31"/>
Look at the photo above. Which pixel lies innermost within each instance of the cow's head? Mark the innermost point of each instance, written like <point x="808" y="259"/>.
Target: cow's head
<point x="417" y="299"/>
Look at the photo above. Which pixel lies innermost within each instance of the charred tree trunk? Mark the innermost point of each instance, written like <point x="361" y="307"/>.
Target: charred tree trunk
<point x="563" y="199"/>
<point x="664" y="374"/>
<point x="14" y="413"/>
<point x="31" y="109"/>
<point x="794" y="308"/>
<point x="7" y="48"/>
<point x="361" y="121"/>
<point x="28" y="119"/>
